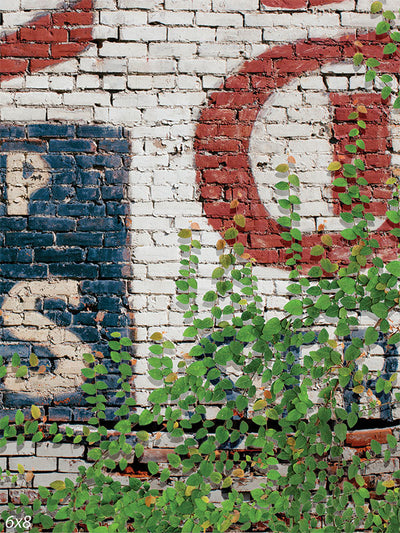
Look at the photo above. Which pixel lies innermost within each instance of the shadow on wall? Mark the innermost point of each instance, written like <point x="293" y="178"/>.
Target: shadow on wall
<point x="64" y="256"/>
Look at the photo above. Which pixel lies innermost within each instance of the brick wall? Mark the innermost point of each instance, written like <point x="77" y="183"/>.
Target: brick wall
<point x="123" y="121"/>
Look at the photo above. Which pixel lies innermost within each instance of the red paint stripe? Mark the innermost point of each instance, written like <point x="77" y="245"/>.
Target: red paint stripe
<point x="235" y="107"/>
<point x="53" y="38"/>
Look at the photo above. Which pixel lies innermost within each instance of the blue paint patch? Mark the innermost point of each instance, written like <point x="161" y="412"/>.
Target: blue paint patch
<point x="74" y="229"/>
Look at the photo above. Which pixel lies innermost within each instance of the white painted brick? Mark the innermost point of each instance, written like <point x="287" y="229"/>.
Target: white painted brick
<point x="167" y="115"/>
<point x="191" y="34"/>
<point x="194" y="5"/>
<point x="337" y="83"/>
<point x="126" y="115"/>
<point x="49" y="449"/>
<point x="140" y="82"/>
<point x="151" y="286"/>
<point x="312" y="82"/>
<point x="235" y="5"/>
<point x="70" y="465"/>
<point x="218" y="20"/>
<point x="87" y="81"/>
<point x="152" y="253"/>
<point x="101" y="32"/>
<point x="284" y="34"/>
<point x="289" y="130"/>
<point x="24" y="114"/>
<point x="46" y="479"/>
<point x="107" y="66"/>
<point x="249" y="35"/>
<point x="39" y="4"/>
<point x="114" y="83"/>
<point x="164" y="82"/>
<point x="38" y="464"/>
<point x="135" y="100"/>
<point x="155" y="66"/>
<point x="87" y="99"/>
<point x="148" y="222"/>
<point x="268" y="19"/>
<point x="111" y="49"/>
<point x="362" y="20"/>
<point x="61" y="83"/>
<point x="202" y="66"/>
<point x="220" y="49"/>
<point x="171" y="49"/>
<point x="133" y="33"/>
<point x="140" y="4"/>
<point x="37" y="82"/>
<point x="171" y="18"/>
<point x="123" y="18"/>
<point x="188" y="98"/>
<point x="28" y="448"/>
<point x="188" y="82"/>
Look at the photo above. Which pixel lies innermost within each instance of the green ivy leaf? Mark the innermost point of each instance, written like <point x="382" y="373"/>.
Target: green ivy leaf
<point x="371" y="336"/>
<point x="358" y="58"/>
<point x="382" y="27"/>
<point x="294" y="307"/>
<point x="341" y="431"/>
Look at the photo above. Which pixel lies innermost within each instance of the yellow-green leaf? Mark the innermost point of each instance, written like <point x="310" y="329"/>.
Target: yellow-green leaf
<point x="57" y="485"/>
<point x="227" y="482"/>
<point x="359" y="389"/>
<point x="327" y="240"/>
<point x="35" y="411"/>
<point x="282" y="168"/>
<point x="260" y="404"/>
<point x="240" y="220"/>
<point x="157" y="336"/>
<point x="335" y="165"/>
<point x="376" y="7"/>
<point x="33" y="360"/>
<point x="389" y="483"/>
<point x="185" y="233"/>
<point x="21" y="469"/>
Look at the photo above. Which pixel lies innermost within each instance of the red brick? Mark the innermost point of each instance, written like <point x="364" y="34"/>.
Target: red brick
<point x="258" y="66"/>
<point x="13" y="66"/>
<point x="291" y="65"/>
<point x="265" y="256"/>
<point x="248" y="115"/>
<point x="311" y="50"/>
<point x="218" y="145"/>
<point x="234" y="100"/>
<point x="24" y="50"/>
<point x="261" y="82"/>
<point x="44" y="20"/>
<point x="72" y="18"/>
<point x="80" y="34"/>
<point x="211" y="192"/>
<point x="285" y="4"/>
<point x="237" y="82"/>
<point x="66" y="50"/>
<point x="362" y="438"/>
<point x="218" y="115"/>
<point x="205" y="131"/>
<point x="84" y="5"/>
<point x="236" y="131"/>
<point x="40" y="64"/>
<point x="267" y="241"/>
<point x="43" y="35"/>
<point x="206" y="161"/>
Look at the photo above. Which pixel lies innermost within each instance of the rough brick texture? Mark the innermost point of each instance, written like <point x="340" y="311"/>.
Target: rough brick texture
<point x="123" y="121"/>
